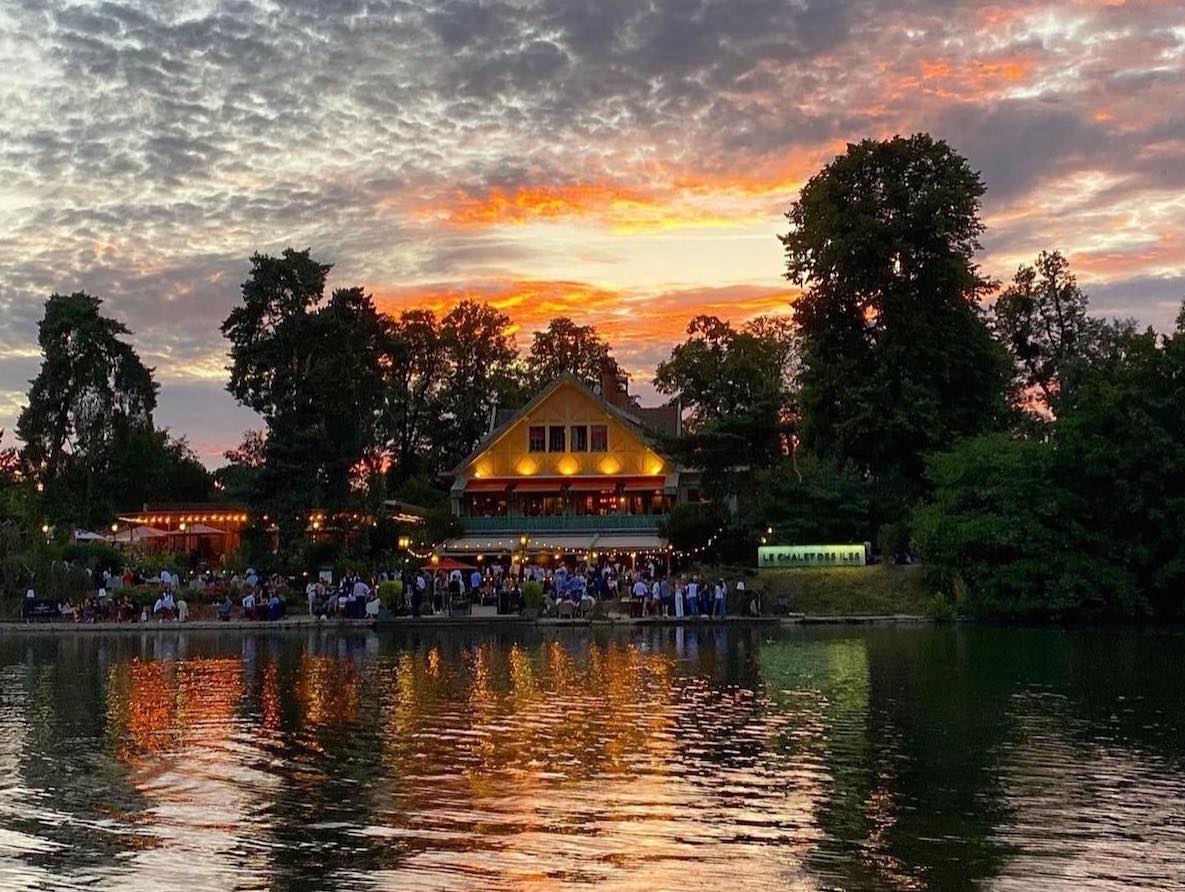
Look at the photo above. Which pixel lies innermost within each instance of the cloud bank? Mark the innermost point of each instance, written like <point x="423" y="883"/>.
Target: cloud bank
<point x="625" y="163"/>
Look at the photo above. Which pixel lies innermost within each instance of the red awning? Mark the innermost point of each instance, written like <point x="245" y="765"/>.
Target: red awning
<point x="486" y="486"/>
<point x="538" y="486"/>
<point x="654" y="484"/>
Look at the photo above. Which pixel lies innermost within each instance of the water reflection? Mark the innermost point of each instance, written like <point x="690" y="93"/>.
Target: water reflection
<point x="663" y="759"/>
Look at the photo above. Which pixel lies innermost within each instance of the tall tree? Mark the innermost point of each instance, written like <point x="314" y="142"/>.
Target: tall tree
<point x="896" y="357"/>
<point x="314" y="370"/>
<point x="1041" y="318"/>
<point x="91" y="394"/>
<point x="348" y="382"/>
<point x="565" y="346"/>
<point x="479" y="359"/>
<point x="415" y="376"/>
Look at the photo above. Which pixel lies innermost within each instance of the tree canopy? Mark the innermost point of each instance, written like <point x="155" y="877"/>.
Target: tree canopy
<point x="315" y="369"/>
<point x="564" y="346"/>
<point x="897" y="359"/>
<point x="91" y="389"/>
<point x="735" y="386"/>
<point x="1041" y="319"/>
<point x="479" y="359"/>
<point x="1085" y="521"/>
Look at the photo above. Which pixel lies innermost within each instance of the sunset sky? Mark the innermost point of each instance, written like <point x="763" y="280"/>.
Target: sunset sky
<point x="623" y="163"/>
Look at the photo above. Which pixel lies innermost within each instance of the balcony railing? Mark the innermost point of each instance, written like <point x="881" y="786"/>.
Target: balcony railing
<point x="552" y="523"/>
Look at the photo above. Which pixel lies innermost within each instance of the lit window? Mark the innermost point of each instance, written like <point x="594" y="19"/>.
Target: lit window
<point x="536" y="439"/>
<point x="599" y="437"/>
<point x="579" y="438"/>
<point x="555" y="441"/>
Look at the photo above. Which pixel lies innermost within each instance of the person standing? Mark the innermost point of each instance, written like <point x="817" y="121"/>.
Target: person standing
<point x="310" y="593"/>
<point x="417" y="595"/>
<point x="719" y="607"/>
<point x="693" y="597"/>
<point x="679" y="600"/>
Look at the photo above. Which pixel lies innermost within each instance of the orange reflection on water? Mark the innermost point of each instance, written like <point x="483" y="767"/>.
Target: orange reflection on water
<point x="158" y="705"/>
<point x="327" y="690"/>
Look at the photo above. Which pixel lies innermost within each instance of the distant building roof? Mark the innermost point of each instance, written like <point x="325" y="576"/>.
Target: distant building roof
<point x="665" y="420"/>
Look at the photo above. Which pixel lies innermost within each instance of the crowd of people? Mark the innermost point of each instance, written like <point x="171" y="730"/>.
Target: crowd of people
<point x="572" y="589"/>
<point x="643" y="589"/>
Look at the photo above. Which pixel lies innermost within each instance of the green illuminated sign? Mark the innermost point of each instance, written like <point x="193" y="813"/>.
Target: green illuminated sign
<point x="810" y="556"/>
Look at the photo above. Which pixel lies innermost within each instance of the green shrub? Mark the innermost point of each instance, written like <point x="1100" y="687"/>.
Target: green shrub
<point x="941" y="610"/>
<point x="533" y="595"/>
<point x="150" y="563"/>
<point x="391" y="594"/>
<point x="95" y="556"/>
<point x="140" y="595"/>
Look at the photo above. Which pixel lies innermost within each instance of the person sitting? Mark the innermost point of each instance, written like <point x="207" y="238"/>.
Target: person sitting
<point x="182" y="610"/>
<point x="249" y="605"/>
<point x="275" y="607"/>
<point x="165" y="607"/>
<point x="225" y="609"/>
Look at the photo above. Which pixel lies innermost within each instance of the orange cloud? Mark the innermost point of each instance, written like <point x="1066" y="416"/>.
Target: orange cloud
<point x="630" y="321"/>
<point x="970" y="79"/>
<point x="674" y="196"/>
<point x="528" y="204"/>
<point x="1165" y="255"/>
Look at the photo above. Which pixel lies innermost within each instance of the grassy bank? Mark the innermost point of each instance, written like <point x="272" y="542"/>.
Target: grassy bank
<point x="849" y="591"/>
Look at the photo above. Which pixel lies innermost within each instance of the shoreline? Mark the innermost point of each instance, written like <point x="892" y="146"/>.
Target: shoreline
<point x="302" y="624"/>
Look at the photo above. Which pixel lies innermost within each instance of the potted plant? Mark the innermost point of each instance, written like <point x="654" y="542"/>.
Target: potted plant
<point x="532" y="599"/>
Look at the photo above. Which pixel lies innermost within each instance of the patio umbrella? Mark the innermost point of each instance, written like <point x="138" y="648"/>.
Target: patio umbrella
<point x="450" y="564"/>
<point x="88" y="536"/>
<point x="199" y="529"/>
<point x="138" y="534"/>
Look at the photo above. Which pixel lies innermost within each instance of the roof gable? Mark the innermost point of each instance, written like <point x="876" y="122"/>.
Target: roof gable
<point x="565" y="402"/>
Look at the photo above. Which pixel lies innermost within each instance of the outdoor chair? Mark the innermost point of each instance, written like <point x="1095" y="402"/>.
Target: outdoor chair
<point x="565" y="609"/>
<point x="549" y="608"/>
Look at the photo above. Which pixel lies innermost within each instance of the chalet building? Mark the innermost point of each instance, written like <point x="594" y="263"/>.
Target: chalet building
<point x="575" y="471"/>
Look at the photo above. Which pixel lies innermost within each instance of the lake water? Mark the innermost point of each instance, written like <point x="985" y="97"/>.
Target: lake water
<point x="889" y="758"/>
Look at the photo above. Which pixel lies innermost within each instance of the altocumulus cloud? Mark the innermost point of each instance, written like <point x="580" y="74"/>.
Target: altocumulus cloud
<point x="464" y="148"/>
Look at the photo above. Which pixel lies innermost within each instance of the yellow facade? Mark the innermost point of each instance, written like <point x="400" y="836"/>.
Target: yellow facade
<point x="568" y="404"/>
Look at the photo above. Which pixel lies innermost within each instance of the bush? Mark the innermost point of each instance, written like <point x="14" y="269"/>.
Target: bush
<point x="150" y="563"/>
<point x="533" y="595"/>
<point x="140" y="595"/>
<point x="391" y="594"/>
<point x="95" y="556"/>
<point x="941" y="610"/>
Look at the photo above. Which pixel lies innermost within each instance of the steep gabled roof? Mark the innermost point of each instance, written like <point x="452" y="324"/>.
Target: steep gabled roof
<point x="633" y="422"/>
